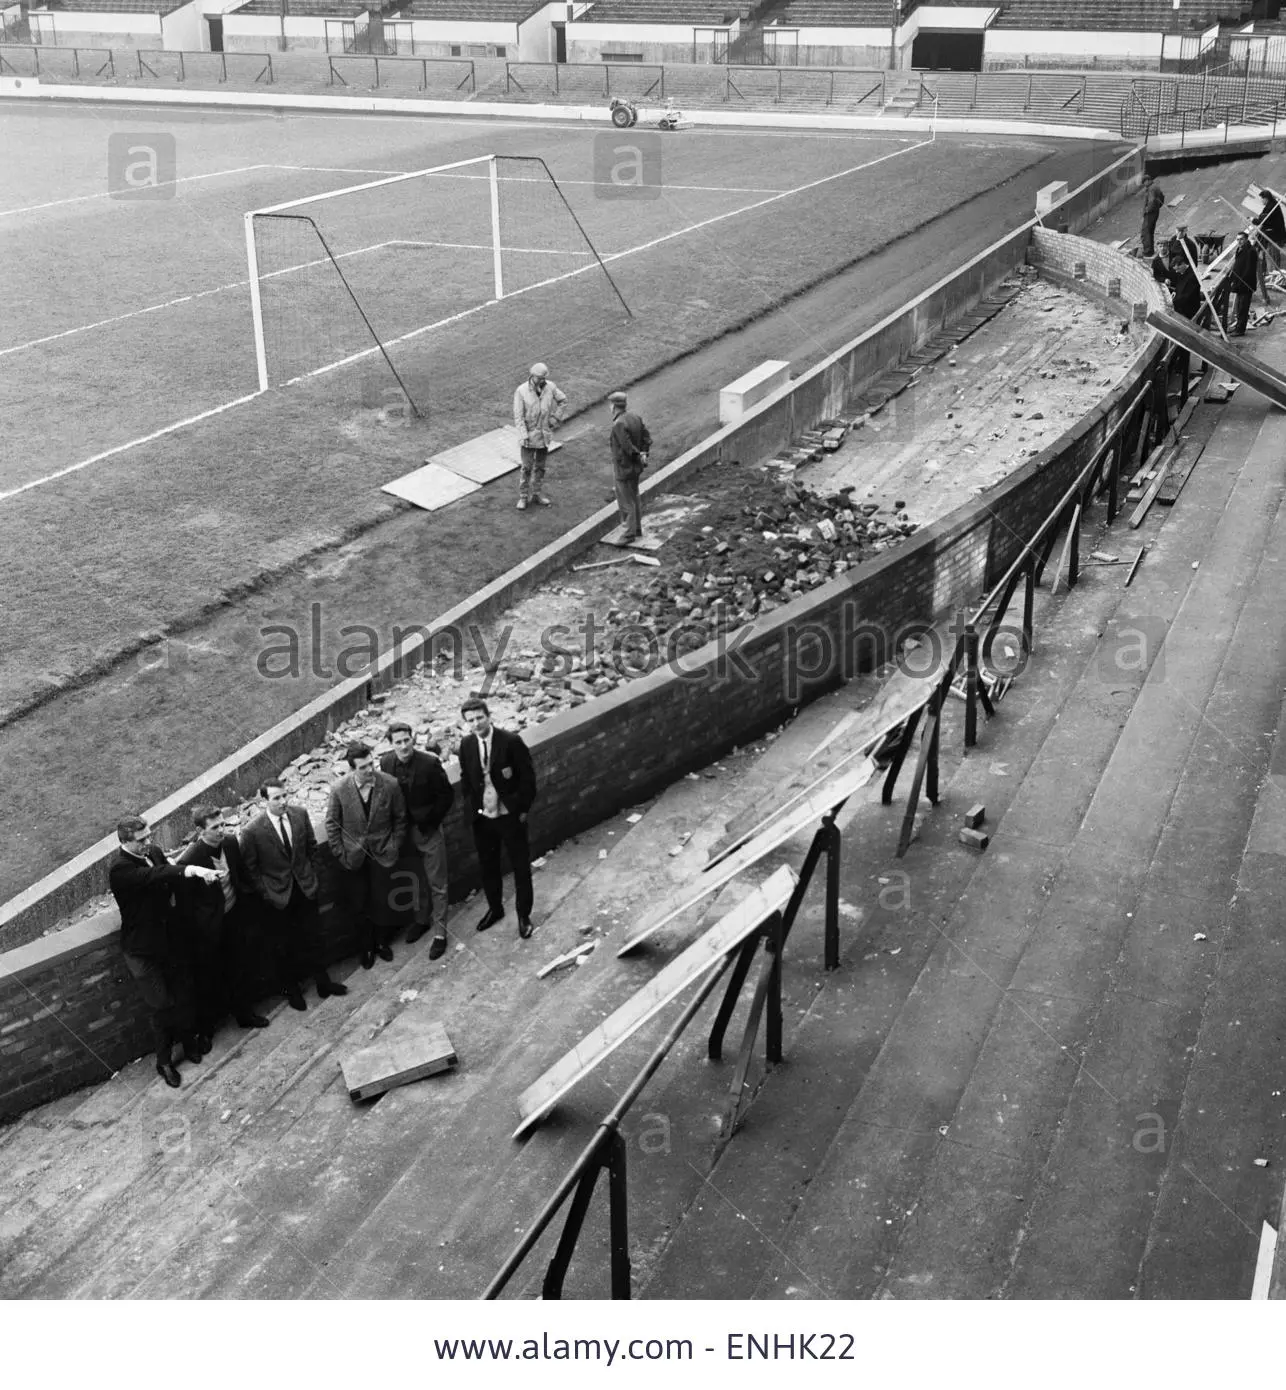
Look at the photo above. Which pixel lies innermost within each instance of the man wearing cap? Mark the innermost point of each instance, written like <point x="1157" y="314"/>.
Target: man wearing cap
<point x="1153" y="202"/>
<point x="536" y="415"/>
<point x="630" y="444"/>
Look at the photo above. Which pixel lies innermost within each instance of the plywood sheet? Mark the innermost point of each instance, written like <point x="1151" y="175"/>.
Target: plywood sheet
<point x="685" y="969"/>
<point x="488" y="457"/>
<point x="645" y="542"/>
<point x="431" y="487"/>
<point x="413" y="1046"/>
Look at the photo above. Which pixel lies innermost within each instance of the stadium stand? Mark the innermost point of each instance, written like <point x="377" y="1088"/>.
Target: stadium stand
<point x="148" y="7"/>
<point x="307" y="9"/>
<point x="839" y="14"/>
<point x="1142" y="16"/>
<point x="507" y="11"/>
<point x="688" y="12"/>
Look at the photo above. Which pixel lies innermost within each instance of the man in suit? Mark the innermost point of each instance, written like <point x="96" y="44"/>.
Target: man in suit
<point x="630" y="443"/>
<point x="499" y="785"/>
<point x="279" y="852"/>
<point x="217" y="931"/>
<point x="427" y="795"/>
<point x="143" y="883"/>
<point x="365" y="828"/>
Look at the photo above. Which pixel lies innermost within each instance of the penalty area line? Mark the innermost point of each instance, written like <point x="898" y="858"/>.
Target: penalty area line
<point x="132" y="444"/>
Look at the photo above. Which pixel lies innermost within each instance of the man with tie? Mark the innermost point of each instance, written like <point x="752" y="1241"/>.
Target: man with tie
<point x="218" y="930"/>
<point x="427" y="794"/>
<point x="143" y="881"/>
<point x="499" y="785"/>
<point x="279" y="851"/>
<point x="365" y="828"/>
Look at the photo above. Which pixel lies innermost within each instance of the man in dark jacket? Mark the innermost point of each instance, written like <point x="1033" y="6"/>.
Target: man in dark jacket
<point x="365" y="828"/>
<point x="427" y="794"/>
<point x="499" y="785"/>
<point x="218" y="932"/>
<point x="279" y="851"/>
<point x="1153" y="202"/>
<point x="1246" y="274"/>
<point x="143" y="883"/>
<point x="630" y="444"/>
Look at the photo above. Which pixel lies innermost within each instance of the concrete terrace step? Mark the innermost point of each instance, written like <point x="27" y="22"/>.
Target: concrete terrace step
<point x="1031" y="1011"/>
<point x="243" y="1182"/>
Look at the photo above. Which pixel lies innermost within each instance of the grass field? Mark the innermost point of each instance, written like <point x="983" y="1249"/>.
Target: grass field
<point x="143" y="479"/>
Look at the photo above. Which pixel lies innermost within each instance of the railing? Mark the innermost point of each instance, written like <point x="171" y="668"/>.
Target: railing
<point x="1191" y="122"/>
<point x="468" y="81"/>
<point x="98" y="61"/>
<point x="606" y="1150"/>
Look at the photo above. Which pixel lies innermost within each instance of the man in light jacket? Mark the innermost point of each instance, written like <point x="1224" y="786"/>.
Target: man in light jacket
<point x="537" y="403"/>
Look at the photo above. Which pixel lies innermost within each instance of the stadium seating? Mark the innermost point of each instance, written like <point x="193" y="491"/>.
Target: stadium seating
<point x="1141" y="16"/>
<point x="115" y="6"/>
<point x="687" y="12"/>
<point x="305" y="9"/>
<point x="838" y="14"/>
<point x="507" y="11"/>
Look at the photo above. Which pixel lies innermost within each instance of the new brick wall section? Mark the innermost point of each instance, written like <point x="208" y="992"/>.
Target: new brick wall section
<point x="69" y="1013"/>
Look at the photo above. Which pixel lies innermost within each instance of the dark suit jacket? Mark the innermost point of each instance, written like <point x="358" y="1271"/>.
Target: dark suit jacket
<point x="204" y="901"/>
<point x="268" y="869"/>
<point x="629" y="439"/>
<point x="354" y="833"/>
<point x="428" y="791"/>
<point x="144" y="892"/>
<point x="512" y="774"/>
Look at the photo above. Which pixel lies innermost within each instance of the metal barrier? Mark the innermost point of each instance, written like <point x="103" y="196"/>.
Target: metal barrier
<point x="606" y="1150"/>
<point x="136" y="61"/>
<point x="469" y="82"/>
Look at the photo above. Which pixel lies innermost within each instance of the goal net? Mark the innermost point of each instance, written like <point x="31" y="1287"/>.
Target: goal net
<point x="403" y="271"/>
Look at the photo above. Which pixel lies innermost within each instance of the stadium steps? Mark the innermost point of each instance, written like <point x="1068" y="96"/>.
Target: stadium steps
<point x="988" y="1060"/>
<point x="245" y="1181"/>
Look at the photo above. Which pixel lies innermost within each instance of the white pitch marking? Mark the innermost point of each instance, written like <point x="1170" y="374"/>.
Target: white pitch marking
<point x="455" y="318"/>
<point x="614" y="256"/>
<point x="272" y="274"/>
<point x="107" y="192"/>
<point x="133" y="443"/>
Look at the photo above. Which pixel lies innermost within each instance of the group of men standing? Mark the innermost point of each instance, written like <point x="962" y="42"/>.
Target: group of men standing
<point x="201" y="935"/>
<point x="537" y="411"/>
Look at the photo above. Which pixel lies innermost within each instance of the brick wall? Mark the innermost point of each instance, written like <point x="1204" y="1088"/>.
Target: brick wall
<point x="68" y="1011"/>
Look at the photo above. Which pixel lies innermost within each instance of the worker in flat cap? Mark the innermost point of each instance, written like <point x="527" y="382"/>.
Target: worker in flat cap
<point x="537" y="413"/>
<point x="630" y="442"/>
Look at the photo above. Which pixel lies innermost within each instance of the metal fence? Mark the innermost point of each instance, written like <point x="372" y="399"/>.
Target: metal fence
<point x="196" y="66"/>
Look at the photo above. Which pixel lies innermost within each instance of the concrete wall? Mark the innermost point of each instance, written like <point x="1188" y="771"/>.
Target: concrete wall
<point x="68" y="1012"/>
<point x="96" y="29"/>
<point x="186" y="29"/>
<point x="260" y="33"/>
<point x="536" y="34"/>
<point x="658" y="43"/>
<point x="843" y="48"/>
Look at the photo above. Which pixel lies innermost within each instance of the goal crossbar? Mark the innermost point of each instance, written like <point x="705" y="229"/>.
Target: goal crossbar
<point x="374" y="183"/>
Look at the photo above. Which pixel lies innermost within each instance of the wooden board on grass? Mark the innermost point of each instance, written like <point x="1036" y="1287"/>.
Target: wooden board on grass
<point x="805" y="813"/>
<point x="685" y="969"/>
<point x="413" y="1046"/>
<point x="488" y="457"/>
<point x="431" y="487"/>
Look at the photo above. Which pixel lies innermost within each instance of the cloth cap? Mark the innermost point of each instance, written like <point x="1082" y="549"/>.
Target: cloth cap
<point x="539" y="369"/>
<point x="618" y="396"/>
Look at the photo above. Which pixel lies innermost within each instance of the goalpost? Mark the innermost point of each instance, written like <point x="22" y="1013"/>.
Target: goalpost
<point x="360" y="272"/>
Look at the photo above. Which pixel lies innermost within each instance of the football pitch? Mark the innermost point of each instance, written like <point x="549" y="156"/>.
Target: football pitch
<point x="145" y="479"/>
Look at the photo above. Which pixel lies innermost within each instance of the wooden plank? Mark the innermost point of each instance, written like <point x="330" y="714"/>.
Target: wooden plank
<point x="1184" y="463"/>
<point x="685" y="969"/>
<point x="1240" y="365"/>
<point x="413" y="1046"/>
<point x="811" y="809"/>
<point x="431" y="487"/>
<point x="1137" y="515"/>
